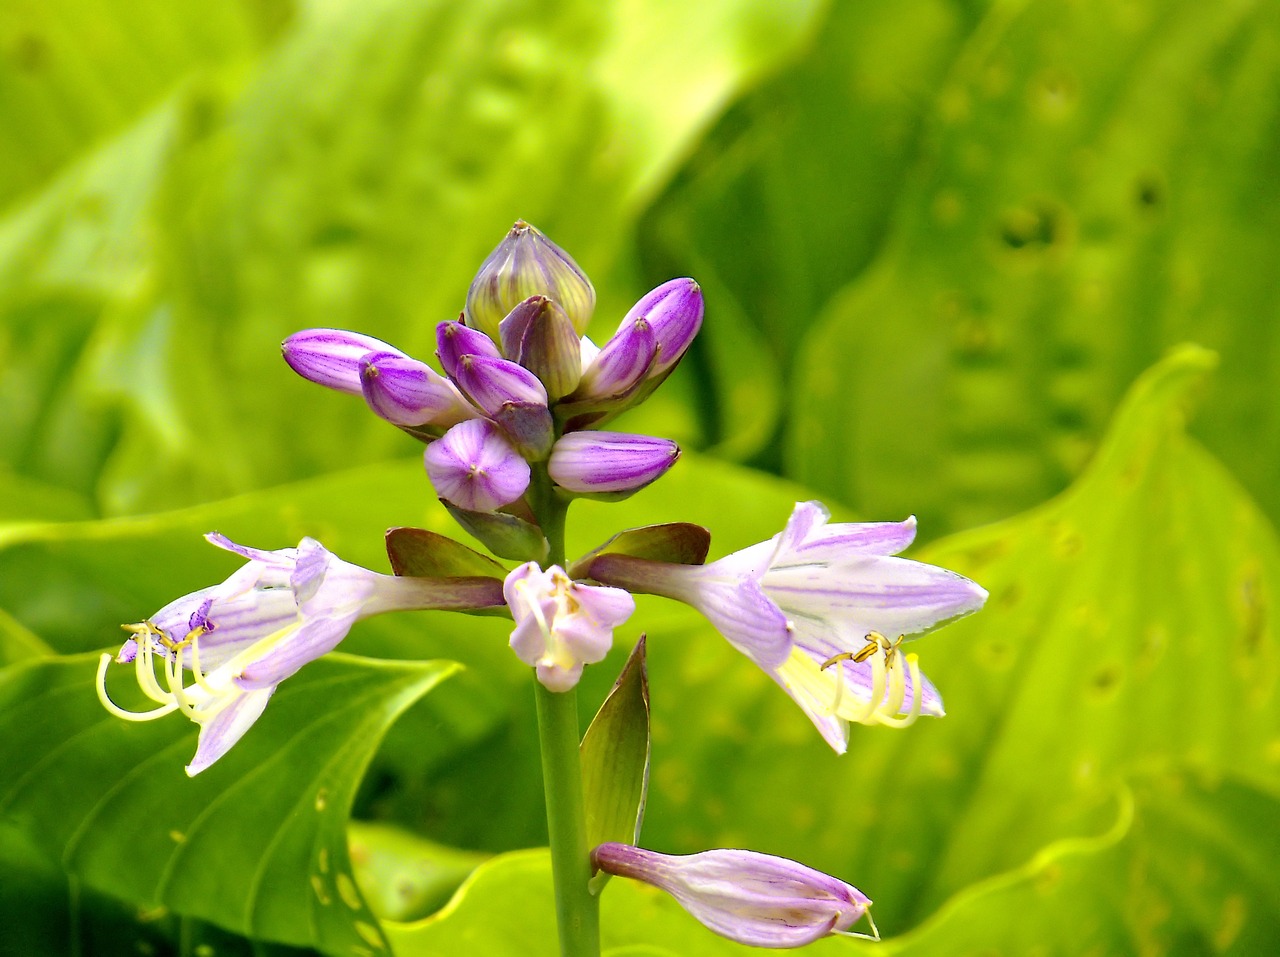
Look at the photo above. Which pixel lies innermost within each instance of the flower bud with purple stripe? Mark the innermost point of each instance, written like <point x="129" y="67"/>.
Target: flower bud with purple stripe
<point x="590" y="462"/>
<point x="538" y="335"/>
<point x="623" y="363"/>
<point x="331" y="357"/>
<point x="674" y="310"/>
<point x="752" y="898"/>
<point x="526" y="264"/>
<point x="454" y="340"/>
<point x="474" y="466"/>
<point x="513" y="397"/>
<point x="407" y="392"/>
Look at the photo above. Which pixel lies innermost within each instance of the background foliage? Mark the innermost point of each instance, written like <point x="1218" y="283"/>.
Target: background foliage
<point x="940" y="242"/>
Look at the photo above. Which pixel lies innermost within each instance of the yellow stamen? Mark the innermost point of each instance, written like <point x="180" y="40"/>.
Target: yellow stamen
<point x="114" y="708"/>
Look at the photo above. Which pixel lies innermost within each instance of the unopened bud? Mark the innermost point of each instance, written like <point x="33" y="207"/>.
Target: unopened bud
<point x="609" y="462"/>
<point x="526" y="264"/>
<point x="474" y="467"/>
<point x="752" y="898"/>
<point x="407" y="392"/>
<point x="331" y="357"/>
<point x="538" y="335"/>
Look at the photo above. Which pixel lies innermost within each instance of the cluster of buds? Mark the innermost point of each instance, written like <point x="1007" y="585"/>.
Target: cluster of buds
<point x="524" y="391"/>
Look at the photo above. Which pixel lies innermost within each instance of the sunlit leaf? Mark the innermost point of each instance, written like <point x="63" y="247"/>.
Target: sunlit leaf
<point x="256" y="844"/>
<point x="615" y="757"/>
<point x="1097" y="182"/>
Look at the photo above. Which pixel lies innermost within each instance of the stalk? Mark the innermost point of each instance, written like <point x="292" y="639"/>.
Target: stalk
<point x="577" y="909"/>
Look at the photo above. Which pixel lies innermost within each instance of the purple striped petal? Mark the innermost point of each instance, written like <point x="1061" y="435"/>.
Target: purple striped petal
<point x="592" y="461"/>
<point x="622" y="364"/>
<point x="407" y="392"/>
<point x="228" y="727"/>
<point x="752" y="898"/>
<point x="674" y="311"/>
<point x="474" y="467"/>
<point x="454" y="340"/>
<point x="331" y="357"/>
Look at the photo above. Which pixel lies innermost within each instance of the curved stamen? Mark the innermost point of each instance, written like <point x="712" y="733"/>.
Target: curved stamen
<point x="144" y="667"/>
<point x="917" y="696"/>
<point x="118" y="711"/>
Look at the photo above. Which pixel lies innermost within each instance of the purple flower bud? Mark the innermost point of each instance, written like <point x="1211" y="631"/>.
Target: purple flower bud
<point x="526" y="264"/>
<point x="623" y="363"/>
<point x="454" y="340"/>
<point x="538" y="335"/>
<point x="588" y="462"/>
<point x="674" y="310"/>
<point x="752" y="898"/>
<point x="474" y="467"/>
<point x="513" y="397"/>
<point x="407" y="392"/>
<point x="331" y="357"/>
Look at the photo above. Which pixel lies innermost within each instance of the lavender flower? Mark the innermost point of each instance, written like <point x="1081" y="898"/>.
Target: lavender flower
<point x="474" y="467"/>
<point x="812" y="607"/>
<point x="225" y="648"/>
<point x="561" y="624"/>
<point x="752" y="898"/>
<point x="609" y="462"/>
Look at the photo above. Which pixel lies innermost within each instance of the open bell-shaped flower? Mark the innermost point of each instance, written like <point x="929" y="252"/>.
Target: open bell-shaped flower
<point x="749" y="897"/>
<point x="526" y="263"/>
<point x="561" y="624"/>
<point x="224" y="649"/>
<point x="822" y="609"/>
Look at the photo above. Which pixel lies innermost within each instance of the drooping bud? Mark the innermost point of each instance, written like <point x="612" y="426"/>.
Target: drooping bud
<point x="407" y="392"/>
<point x="526" y="264"/>
<point x="609" y="462"/>
<point x="674" y="310"/>
<point x="538" y="335"/>
<point x="454" y="340"/>
<point x="513" y="397"/>
<point x="331" y="357"/>
<point x="475" y="467"/>
<point x="752" y="898"/>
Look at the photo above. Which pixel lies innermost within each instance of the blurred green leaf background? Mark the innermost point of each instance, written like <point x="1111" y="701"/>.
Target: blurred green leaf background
<point x="953" y="252"/>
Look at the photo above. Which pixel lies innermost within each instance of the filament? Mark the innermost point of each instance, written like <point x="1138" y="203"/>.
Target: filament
<point x="118" y="711"/>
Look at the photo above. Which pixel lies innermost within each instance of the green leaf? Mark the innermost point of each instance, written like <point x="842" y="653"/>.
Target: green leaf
<point x="403" y="875"/>
<point x="427" y="554"/>
<point x="507" y="536"/>
<point x="256" y="844"/>
<point x="780" y="207"/>
<point x="680" y="542"/>
<point x="1095" y="186"/>
<point x="506" y="908"/>
<point x="615" y="757"/>
<point x="1180" y="872"/>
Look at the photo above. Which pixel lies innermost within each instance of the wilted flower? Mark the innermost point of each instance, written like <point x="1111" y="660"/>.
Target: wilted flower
<point x="812" y="607"/>
<point x="561" y="624"/>
<point x="474" y="467"/>
<point x="223" y="649"/>
<point x="752" y="898"/>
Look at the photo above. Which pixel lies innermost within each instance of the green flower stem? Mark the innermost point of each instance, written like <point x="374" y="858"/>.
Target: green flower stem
<point x="577" y="909"/>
